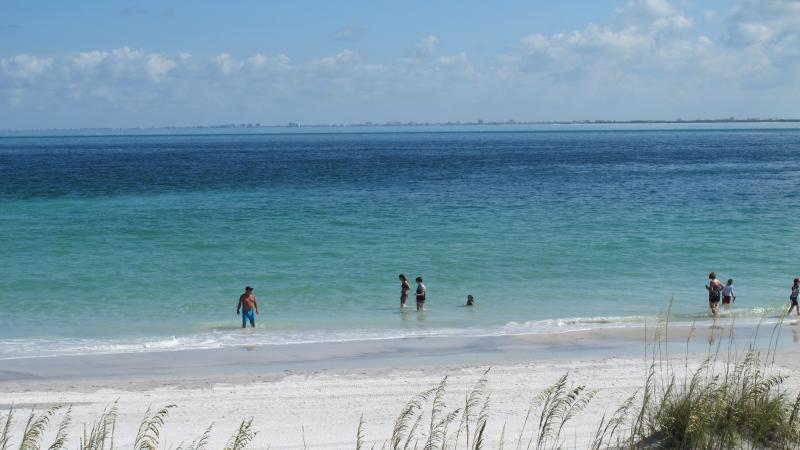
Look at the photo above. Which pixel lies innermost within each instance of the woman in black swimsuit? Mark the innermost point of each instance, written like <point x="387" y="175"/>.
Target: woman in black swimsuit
<point x="714" y="290"/>
<point x="404" y="288"/>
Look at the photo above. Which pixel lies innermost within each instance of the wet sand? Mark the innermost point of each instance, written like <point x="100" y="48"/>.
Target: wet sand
<point x="324" y="388"/>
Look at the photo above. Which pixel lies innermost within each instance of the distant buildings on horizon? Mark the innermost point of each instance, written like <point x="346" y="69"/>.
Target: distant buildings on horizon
<point x="429" y="124"/>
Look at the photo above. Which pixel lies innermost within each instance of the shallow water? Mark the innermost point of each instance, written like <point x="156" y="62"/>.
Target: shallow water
<point x="144" y="242"/>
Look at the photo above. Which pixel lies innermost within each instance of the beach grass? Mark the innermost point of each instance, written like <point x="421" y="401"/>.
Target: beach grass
<point x="729" y="401"/>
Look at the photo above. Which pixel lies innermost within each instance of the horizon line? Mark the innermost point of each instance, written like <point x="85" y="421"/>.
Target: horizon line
<point x="367" y="124"/>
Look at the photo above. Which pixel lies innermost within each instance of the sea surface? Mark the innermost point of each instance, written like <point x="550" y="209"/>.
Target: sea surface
<point x="143" y="241"/>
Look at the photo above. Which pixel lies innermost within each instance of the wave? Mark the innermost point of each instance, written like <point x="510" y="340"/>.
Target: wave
<point x="744" y="316"/>
<point x="222" y="337"/>
<point x="576" y="323"/>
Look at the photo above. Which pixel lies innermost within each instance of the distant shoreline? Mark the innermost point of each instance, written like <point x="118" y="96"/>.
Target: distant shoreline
<point x="368" y="124"/>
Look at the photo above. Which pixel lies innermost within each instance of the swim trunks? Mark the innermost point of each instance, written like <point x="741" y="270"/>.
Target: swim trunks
<point x="249" y="314"/>
<point x="726" y="300"/>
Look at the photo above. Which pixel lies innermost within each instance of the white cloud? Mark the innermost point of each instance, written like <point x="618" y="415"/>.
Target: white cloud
<point x="229" y="65"/>
<point x="654" y="14"/>
<point x="428" y="45"/>
<point x="25" y="66"/>
<point x="343" y="58"/>
<point x="749" y="33"/>
<point x="257" y="60"/>
<point x="659" y="8"/>
<point x="677" y="21"/>
<point x="262" y="62"/>
<point x="226" y="63"/>
<point x="158" y="66"/>
<point x="585" y="46"/>
<point x="775" y="22"/>
<point x="89" y="60"/>
<point x="126" y="63"/>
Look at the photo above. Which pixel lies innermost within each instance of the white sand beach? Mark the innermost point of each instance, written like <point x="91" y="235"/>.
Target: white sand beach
<point x="328" y="404"/>
<point x="324" y="404"/>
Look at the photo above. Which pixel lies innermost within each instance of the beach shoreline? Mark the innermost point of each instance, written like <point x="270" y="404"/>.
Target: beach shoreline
<point x="434" y="352"/>
<point x="322" y="390"/>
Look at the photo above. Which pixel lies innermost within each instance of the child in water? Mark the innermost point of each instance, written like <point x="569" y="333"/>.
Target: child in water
<point x="793" y="297"/>
<point x="420" y="294"/>
<point x="470" y="300"/>
<point x="727" y="293"/>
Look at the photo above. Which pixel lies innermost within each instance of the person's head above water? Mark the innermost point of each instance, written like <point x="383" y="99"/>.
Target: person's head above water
<point x="402" y="277"/>
<point x="470" y="300"/>
<point x="712" y="276"/>
<point x="797" y="281"/>
<point x="419" y="280"/>
<point x="248" y="289"/>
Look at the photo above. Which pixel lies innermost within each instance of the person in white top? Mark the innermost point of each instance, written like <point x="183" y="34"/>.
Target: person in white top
<point x="727" y="293"/>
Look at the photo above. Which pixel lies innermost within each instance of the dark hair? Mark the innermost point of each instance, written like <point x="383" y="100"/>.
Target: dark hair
<point x="248" y="288"/>
<point x="419" y="280"/>
<point x="797" y="281"/>
<point x="730" y="280"/>
<point x="402" y="277"/>
<point x="712" y="276"/>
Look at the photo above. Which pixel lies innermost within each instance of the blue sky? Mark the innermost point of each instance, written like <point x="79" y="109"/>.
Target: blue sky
<point x="116" y="63"/>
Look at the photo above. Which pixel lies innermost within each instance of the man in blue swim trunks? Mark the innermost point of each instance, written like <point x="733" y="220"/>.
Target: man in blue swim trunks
<point x="248" y="306"/>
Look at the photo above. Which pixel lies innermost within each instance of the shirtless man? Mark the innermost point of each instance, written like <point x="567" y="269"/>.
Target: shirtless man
<point x="248" y="306"/>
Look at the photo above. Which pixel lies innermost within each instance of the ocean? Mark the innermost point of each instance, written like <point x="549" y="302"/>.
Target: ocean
<point x="144" y="241"/>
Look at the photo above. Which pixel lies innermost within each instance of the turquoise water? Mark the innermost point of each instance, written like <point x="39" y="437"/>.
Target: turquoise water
<point x="144" y="242"/>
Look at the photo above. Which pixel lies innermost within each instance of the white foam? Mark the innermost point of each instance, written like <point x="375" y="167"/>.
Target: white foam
<point x="31" y="348"/>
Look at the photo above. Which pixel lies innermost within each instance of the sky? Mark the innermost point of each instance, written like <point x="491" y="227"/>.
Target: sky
<point x="109" y="63"/>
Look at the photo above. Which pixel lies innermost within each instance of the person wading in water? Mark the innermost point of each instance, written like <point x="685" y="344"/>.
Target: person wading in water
<point x="248" y="306"/>
<point x="714" y="288"/>
<point x="404" y="288"/>
<point x="421" y="292"/>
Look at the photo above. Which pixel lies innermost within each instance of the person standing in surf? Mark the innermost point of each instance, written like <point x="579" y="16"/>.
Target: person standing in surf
<point x="714" y="288"/>
<point x="420" y="294"/>
<point x="404" y="288"/>
<point x="793" y="297"/>
<point x="248" y="307"/>
<point x="727" y="293"/>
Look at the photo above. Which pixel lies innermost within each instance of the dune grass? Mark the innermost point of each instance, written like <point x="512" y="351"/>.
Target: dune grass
<point x="735" y="403"/>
